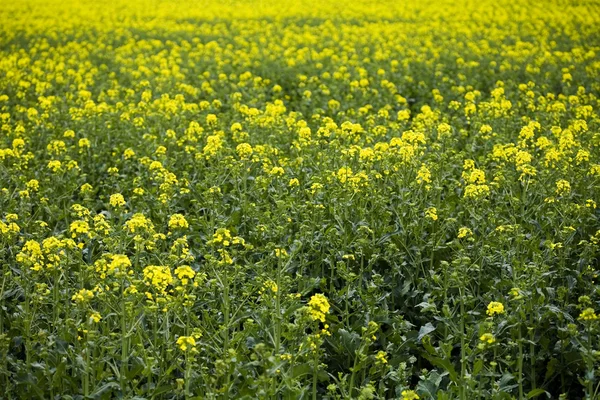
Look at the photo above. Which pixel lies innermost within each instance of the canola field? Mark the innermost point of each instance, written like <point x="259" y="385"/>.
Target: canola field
<point x="300" y="200"/>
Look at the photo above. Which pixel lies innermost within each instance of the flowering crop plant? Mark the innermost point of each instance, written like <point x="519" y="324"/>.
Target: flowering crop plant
<point x="278" y="199"/>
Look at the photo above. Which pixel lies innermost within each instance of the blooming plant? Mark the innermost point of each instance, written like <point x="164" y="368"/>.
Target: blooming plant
<point x="291" y="200"/>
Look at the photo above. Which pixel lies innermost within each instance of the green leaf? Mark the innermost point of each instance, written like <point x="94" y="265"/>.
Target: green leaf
<point x="427" y="389"/>
<point x="445" y="364"/>
<point x="103" y="389"/>
<point x="536" y="392"/>
<point x="425" y="329"/>
<point x="478" y="366"/>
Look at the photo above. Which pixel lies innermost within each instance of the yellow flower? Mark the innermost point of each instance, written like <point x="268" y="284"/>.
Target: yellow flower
<point x="494" y="308"/>
<point x="158" y="276"/>
<point x="280" y="253"/>
<point x="431" y="213"/>
<point x="211" y="119"/>
<point x="82" y="296"/>
<point x="185" y="273"/>
<point x="31" y="255"/>
<point x="244" y="150"/>
<point x="380" y="358"/>
<point x="588" y="315"/>
<point x="79" y="228"/>
<point x="128" y="153"/>
<point x="463" y="232"/>
<point x="344" y="174"/>
<point x="33" y="185"/>
<point x="86" y="188"/>
<point x="403" y="115"/>
<point x="423" y="175"/>
<point x="276" y="171"/>
<point x="117" y="200"/>
<point x="410" y="395"/>
<point x="119" y="263"/>
<point x="563" y="187"/>
<point x="186" y="343"/>
<point x="271" y="286"/>
<point x="488" y="338"/>
<point x="138" y="224"/>
<point x="18" y="144"/>
<point x="213" y="145"/>
<point x="515" y="293"/>
<point x="54" y="165"/>
<point x="318" y="307"/>
<point x="236" y="127"/>
<point x="178" y="221"/>
<point x="474" y="191"/>
<point x="221" y="236"/>
<point x="95" y="317"/>
<point x="294" y="182"/>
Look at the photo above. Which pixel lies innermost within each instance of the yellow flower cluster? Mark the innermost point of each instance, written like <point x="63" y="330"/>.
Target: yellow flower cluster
<point x="318" y="307"/>
<point x="186" y="343"/>
<point x="381" y="358"/>
<point x="431" y="213"/>
<point x="464" y="232"/>
<point x="159" y="277"/>
<point x="138" y="223"/>
<point x="488" y="338"/>
<point x="409" y="395"/>
<point x="83" y="296"/>
<point x="588" y="315"/>
<point x="495" y="308"/>
<point x="178" y="221"/>
<point x="185" y="273"/>
<point x="117" y="200"/>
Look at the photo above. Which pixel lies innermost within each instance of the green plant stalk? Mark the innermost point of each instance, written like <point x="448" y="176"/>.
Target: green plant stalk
<point x="315" y="371"/>
<point x="188" y="368"/>
<point x="590" y="382"/>
<point x="278" y="310"/>
<point x="123" y="340"/>
<point x="520" y="365"/>
<point x="86" y="375"/>
<point x="27" y="328"/>
<point x="226" y="334"/>
<point x="532" y="357"/>
<point x="55" y="297"/>
<point x="4" y="358"/>
<point x="463" y="361"/>
<point x="277" y="320"/>
<point x="4" y="355"/>
<point x="353" y="375"/>
<point x="188" y="373"/>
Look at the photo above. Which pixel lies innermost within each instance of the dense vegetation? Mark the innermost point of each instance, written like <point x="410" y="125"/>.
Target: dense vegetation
<point x="280" y="199"/>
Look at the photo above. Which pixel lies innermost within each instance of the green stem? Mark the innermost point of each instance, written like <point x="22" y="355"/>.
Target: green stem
<point x="314" y="382"/>
<point x="590" y="382"/>
<point x="86" y="375"/>
<point x="463" y="361"/>
<point x="532" y="358"/>
<point x="351" y="386"/>
<point x="520" y="365"/>
<point x="226" y="335"/>
<point x="123" y="341"/>
<point x="188" y="371"/>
